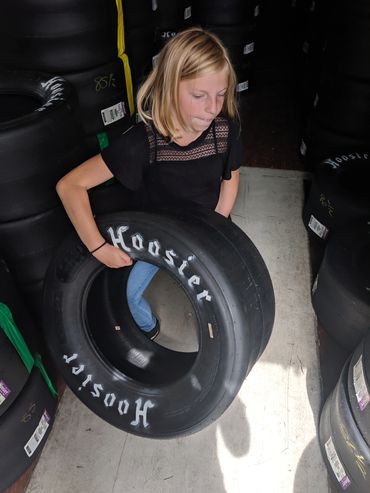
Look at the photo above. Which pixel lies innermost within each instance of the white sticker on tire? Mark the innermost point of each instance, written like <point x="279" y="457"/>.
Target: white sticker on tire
<point x="242" y="86"/>
<point x="4" y="391"/>
<point x="336" y="464"/>
<point x="113" y="113"/>
<point x="187" y="13"/>
<point x="248" y="48"/>
<point x="37" y="435"/>
<point x="359" y="382"/>
<point x="318" y="228"/>
<point x="256" y="11"/>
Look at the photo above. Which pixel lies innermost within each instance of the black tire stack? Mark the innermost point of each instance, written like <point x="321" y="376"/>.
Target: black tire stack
<point x="83" y="42"/>
<point x="309" y="20"/>
<point x="148" y="25"/>
<point x="345" y="424"/>
<point x="341" y="301"/>
<point x="336" y="216"/>
<point x="234" y="22"/>
<point x="28" y="399"/>
<point x="139" y="32"/>
<point x="38" y="145"/>
<point x="170" y="18"/>
<point x="340" y="118"/>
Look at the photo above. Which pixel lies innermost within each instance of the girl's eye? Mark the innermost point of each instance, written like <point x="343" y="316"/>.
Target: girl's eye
<point x="197" y="96"/>
<point x="222" y="95"/>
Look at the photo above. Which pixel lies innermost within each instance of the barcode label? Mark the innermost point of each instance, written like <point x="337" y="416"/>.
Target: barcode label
<point x="336" y="464"/>
<point x="316" y="100"/>
<point x="256" y="11"/>
<point x="37" y="435"/>
<point x="113" y="113"/>
<point x="4" y="391"/>
<point x="242" y="86"/>
<point x="248" y="48"/>
<point x="359" y="382"/>
<point x="187" y="13"/>
<point x="318" y="228"/>
<point x="154" y="5"/>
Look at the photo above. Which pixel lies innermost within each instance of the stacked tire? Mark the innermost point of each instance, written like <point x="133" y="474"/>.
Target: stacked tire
<point x="234" y="22"/>
<point x="311" y="18"/>
<point x="39" y="143"/>
<point x="340" y="295"/>
<point x="338" y="194"/>
<point x="170" y="18"/>
<point x="27" y="396"/>
<point x="345" y="424"/>
<point x="83" y="42"/>
<point x="340" y="118"/>
<point x="139" y="31"/>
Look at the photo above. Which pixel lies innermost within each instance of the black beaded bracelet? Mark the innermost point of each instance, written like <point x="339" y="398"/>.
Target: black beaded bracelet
<point x="93" y="251"/>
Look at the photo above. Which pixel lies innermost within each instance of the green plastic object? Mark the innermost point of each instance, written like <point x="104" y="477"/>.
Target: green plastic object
<point x="10" y="329"/>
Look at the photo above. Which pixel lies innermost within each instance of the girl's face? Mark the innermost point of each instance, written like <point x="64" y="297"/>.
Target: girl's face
<point x="201" y="99"/>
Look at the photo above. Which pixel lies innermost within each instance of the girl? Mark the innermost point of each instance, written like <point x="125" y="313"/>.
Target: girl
<point x="186" y="151"/>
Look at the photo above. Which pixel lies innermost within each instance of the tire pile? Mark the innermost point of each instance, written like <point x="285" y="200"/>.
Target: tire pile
<point x="337" y="217"/>
<point x="339" y="118"/>
<point x="28" y="399"/>
<point x="148" y="25"/>
<point x="235" y="23"/>
<point x="83" y="42"/>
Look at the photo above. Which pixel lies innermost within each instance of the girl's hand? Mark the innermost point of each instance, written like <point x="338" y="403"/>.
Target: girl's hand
<point x="112" y="256"/>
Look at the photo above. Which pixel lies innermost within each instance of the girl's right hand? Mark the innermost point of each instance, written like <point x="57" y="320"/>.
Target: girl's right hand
<point x="112" y="256"/>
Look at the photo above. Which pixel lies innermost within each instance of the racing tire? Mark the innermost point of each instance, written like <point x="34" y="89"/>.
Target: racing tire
<point x="24" y="428"/>
<point x="39" y="140"/>
<point x="340" y="295"/>
<point x="338" y="194"/>
<point x="140" y="386"/>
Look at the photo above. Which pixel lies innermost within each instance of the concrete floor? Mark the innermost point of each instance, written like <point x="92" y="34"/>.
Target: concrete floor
<point x="266" y="442"/>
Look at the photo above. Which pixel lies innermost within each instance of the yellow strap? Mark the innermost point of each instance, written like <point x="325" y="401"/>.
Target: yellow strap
<point x="130" y="95"/>
<point x="120" y="29"/>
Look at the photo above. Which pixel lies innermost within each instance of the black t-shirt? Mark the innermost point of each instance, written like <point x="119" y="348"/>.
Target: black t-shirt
<point x="168" y="174"/>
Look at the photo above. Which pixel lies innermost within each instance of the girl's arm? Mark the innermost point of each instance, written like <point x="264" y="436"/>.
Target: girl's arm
<point x="228" y="193"/>
<point x="72" y="190"/>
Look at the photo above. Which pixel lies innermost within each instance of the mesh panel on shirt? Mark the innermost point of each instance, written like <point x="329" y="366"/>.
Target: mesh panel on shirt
<point x="206" y="147"/>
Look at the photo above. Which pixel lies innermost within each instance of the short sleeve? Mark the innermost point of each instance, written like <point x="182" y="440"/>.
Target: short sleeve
<point x="128" y="155"/>
<point x="235" y="151"/>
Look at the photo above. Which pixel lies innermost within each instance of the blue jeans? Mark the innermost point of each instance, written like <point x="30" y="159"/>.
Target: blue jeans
<point x="139" y="279"/>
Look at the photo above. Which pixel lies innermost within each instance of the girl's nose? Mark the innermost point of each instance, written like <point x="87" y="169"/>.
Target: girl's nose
<point x="211" y="105"/>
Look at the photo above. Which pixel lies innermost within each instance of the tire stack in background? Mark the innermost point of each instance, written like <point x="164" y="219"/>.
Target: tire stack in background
<point x="83" y="42"/>
<point x="148" y="25"/>
<point x="40" y="139"/>
<point x="235" y="23"/>
<point x="309" y="21"/>
<point x="170" y="18"/>
<point x="76" y="98"/>
<point x="139" y="25"/>
<point x="28" y="399"/>
<point x="339" y="120"/>
<point x="337" y="218"/>
<point x="344" y="426"/>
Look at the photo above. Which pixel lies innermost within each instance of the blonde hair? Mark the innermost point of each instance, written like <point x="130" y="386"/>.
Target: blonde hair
<point x="190" y="54"/>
